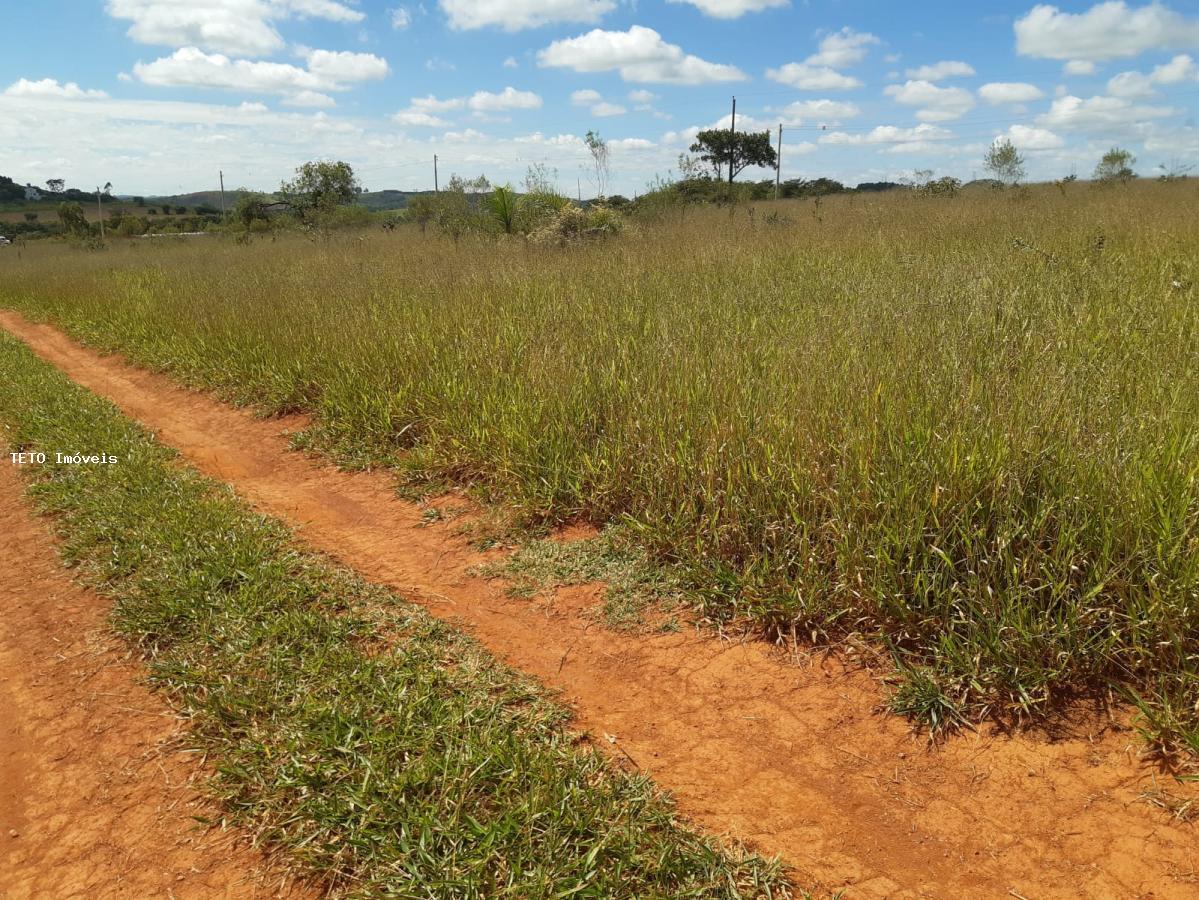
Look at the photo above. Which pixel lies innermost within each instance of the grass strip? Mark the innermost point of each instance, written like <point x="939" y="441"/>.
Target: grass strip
<point x="383" y="751"/>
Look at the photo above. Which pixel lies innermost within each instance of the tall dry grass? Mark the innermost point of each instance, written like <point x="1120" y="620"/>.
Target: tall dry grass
<point x="966" y="429"/>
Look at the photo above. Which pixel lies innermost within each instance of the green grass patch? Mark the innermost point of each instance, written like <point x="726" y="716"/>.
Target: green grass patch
<point x="379" y="749"/>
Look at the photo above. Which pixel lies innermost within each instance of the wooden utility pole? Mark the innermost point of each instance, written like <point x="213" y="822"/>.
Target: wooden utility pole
<point x="732" y="131"/>
<point x="778" y="163"/>
<point x="223" y="215"/>
<point x="100" y="212"/>
<point x="436" y="186"/>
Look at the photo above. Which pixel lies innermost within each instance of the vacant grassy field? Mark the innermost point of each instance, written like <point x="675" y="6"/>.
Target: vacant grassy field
<point x="383" y="752"/>
<point x="963" y="430"/>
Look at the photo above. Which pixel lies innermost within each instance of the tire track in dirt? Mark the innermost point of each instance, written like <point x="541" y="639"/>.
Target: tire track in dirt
<point x="94" y="796"/>
<point x="791" y="758"/>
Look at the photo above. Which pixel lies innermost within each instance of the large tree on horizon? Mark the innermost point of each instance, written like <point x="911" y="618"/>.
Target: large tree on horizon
<point x="724" y="149"/>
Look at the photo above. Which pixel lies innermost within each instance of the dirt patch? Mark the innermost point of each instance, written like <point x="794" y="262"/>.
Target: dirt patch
<point x="95" y="793"/>
<point x="793" y="758"/>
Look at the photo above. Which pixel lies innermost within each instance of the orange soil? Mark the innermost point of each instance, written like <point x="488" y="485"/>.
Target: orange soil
<point x="95" y="796"/>
<point x="791" y="757"/>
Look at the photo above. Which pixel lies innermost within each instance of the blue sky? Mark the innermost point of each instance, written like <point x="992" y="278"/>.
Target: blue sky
<point x="159" y="95"/>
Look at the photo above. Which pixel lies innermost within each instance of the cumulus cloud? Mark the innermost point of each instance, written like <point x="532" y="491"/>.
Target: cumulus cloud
<point x="1000" y="92"/>
<point x="419" y="119"/>
<point x="842" y="48"/>
<point x="892" y="138"/>
<point x="812" y="78"/>
<point x="327" y="71"/>
<point x="937" y="104"/>
<point x="639" y="55"/>
<point x="1140" y="84"/>
<point x="49" y="88"/>
<point x="819" y="71"/>
<point x="939" y="71"/>
<point x="1099" y="114"/>
<point x="1028" y="138"/>
<point x="818" y="112"/>
<point x="239" y="27"/>
<point x="1106" y="31"/>
<point x="732" y="9"/>
<point x="516" y="15"/>
<point x="597" y="105"/>
<point x="507" y="99"/>
<point x="400" y="18"/>
<point x="604" y="109"/>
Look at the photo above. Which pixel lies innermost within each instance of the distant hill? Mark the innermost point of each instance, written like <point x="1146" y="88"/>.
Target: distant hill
<point x="380" y="200"/>
<point x="197" y="198"/>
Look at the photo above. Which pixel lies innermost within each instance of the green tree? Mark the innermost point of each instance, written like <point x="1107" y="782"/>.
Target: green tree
<point x="74" y="222"/>
<point x="421" y="210"/>
<point x="721" y="148"/>
<point x="1004" y="161"/>
<point x="598" y="148"/>
<point x="55" y="185"/>
<point x="249" y="208"/>
<point x="319" y="187"/>
<point x="1116" y="165"/>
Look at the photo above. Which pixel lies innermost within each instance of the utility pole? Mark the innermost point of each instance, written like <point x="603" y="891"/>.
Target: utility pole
<point x="223" y="216"/>
<point x="778" y="163"/>
<point x="100" y="212"/>
<point x="436" y="186"/>
<point x="579" y="184"/>
<point x="732" y="132"/>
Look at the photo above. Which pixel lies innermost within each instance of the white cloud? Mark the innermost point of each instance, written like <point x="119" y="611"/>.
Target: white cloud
<point x="813" y="78"/>
<point x="1099" y="114"/>
<point x="632" y="144"/>
<point x="842" y="48"/>
<point x="604" y="109"/>
<point x="599" y="107"/>
<point x="1080" y="67"/>
<point x="1106" y="31"/>
<point x="515" y="15"/>
<point x="1180" y="68"/>
<point x="642" y="96"/>
<point x="938" y="71"/>
<point x="1139" y="84"/>
<point x="433" y="104"/>
<point x="818" y="112"/>
<point x="938" y="104"/>
<point x="732" y="9"/>
<point x="1000" y="92"/>
<point x="400" y="17"/>
<point x="342" y="67"/>
<point x="312" y="99"/>
<point x="50" y="88"/>
<point x="418" y="119"/>
<point x="327" y="71"/>
<point x="892" y="138"/>
<point x="1028" y="138"/>
<point x="585" y="97"/>
<point x="510" y="63"/>
<point x="422" y="111"/>
<point x="248" y="107"/>
<point x="639" y="54"/>
<point x="239" y="27"/>
<point x="462" y="137"/>
<point x="508" y="98"/>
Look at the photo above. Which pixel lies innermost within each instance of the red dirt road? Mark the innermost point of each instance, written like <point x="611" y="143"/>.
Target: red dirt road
<point x="94" y="798"/>
<point x="791" y="758"/>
